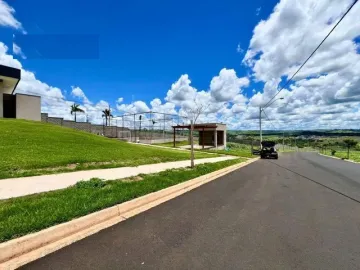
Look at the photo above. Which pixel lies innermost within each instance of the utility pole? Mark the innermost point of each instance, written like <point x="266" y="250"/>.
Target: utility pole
<point x="283" y="141"/>
<point x="260" y="125"/>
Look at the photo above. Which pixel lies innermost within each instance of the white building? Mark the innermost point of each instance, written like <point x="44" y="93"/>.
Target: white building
<point x="12" y="105"/>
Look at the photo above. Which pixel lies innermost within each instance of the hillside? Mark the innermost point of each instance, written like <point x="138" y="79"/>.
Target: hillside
<point x="32" y="148"/>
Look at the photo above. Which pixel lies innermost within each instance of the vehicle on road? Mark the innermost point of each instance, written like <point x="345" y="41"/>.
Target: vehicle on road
<point x="268" y="150"/>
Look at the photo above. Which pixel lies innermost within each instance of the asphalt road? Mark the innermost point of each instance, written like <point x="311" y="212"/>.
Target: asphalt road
<point x="299" y="212"/>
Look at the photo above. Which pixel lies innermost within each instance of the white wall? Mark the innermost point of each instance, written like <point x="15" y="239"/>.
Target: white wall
<point x="28" y="107"/>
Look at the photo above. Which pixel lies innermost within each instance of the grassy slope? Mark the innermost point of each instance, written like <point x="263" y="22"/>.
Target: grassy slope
<point x="26" y="147"/>
<point x="20" y="216"/>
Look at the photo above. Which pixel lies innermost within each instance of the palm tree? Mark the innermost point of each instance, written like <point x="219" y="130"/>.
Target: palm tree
<point x="76" y="108"/>
<point x="107" y="114"/>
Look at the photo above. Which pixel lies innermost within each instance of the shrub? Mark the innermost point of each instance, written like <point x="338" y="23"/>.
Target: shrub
<point x="333" y="152"/>
<point x="92" y="183"/>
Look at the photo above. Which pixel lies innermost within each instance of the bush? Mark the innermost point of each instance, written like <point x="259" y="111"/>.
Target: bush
<point x="333" y="152"/>
<point x="92" y="183"/>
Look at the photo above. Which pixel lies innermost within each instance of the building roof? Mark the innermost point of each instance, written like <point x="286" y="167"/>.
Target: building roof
<point x="199" y="126"/>
<point x="9" y="79"/>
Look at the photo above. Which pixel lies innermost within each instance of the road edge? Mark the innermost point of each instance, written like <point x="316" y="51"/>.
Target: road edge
<point x="20" y="251"/>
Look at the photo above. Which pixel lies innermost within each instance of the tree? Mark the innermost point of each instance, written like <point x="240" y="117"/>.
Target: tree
<point x="76" y="108"/>
<point x="107" y="114"/>
<point x="349" y="143"/>
<point x="196" y="109"/>
<point x="193" y="112"/>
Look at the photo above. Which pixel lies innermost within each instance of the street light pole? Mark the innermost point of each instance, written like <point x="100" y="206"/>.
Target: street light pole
<point x="260" y="110"/>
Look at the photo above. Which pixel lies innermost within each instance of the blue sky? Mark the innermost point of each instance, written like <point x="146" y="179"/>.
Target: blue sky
<point x="171" y="56"/>
<point x="144" y="46"/>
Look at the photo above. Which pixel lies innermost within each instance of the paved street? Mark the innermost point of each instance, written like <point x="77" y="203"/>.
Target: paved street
<point x="268" y="215"/>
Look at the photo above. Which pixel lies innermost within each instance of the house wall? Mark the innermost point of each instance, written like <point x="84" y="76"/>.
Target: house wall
<point x="220" y="137"/>
<point x="207" y="137"/>
<point x="28" y="107"/>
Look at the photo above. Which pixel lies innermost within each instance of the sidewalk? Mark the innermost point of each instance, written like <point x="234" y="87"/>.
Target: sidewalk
<point x="16" y="187"/>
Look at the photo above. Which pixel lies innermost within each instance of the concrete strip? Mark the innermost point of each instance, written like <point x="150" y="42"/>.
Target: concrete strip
<point x="16" y="187"/>
<point x="17" y="252"/>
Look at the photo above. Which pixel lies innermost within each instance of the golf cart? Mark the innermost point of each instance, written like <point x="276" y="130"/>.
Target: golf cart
<point x="268" y="150"/>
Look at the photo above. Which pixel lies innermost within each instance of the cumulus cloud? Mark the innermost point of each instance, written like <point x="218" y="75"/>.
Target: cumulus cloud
<point x="227" y="85"/>
<point x="285" y="39"/>
<point x="222" y="101"/>
<point x="181" y="90"/>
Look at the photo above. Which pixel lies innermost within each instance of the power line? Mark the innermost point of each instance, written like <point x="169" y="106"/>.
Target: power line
<point x="268" y="119"/>
<point x="289" y="80"/>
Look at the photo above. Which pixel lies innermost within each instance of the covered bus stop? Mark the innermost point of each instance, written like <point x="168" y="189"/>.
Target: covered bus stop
<point x="211" y="135"/>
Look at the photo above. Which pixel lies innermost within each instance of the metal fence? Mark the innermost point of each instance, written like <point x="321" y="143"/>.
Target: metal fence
<point x="150" y="127"/>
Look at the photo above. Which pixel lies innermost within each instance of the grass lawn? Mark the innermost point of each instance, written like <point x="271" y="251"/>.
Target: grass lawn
<point x="24" y="215"/>
<point x="233" y="149"/>
<point x="34" y="148"/>
<point x="354" y="155"/>
<point x="236" y="149"/>
<point x="178" y="143"/>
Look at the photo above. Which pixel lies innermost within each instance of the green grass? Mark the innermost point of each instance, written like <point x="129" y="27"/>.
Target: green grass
<point x="233" y="149"/>
<point x="34" y="148"/>
<point x="354" y="154"/>
<point x="178" y="143"/>
<point x="236" y="149"/>
<point x="24" y="215"/>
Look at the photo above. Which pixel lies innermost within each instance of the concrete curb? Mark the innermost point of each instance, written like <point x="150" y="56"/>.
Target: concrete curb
<point x="23" y="250"/>
<point x="348" y="160"/>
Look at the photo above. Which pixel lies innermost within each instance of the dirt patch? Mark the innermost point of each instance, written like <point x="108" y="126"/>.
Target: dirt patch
<point x="133" y="179"/>
<point x="73" y="166"/>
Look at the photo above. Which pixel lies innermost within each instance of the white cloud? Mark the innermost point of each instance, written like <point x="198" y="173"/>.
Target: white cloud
<point x="136" y="107"/>
<point x="17" y="50"/>
<point x="331" y="78"/>
<point x="181" y="90"/>
<point x="79" y="93"/>
<point x="120" y="100"/>
<point x="7" y="17"/>
<point x="227" y="85"/>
